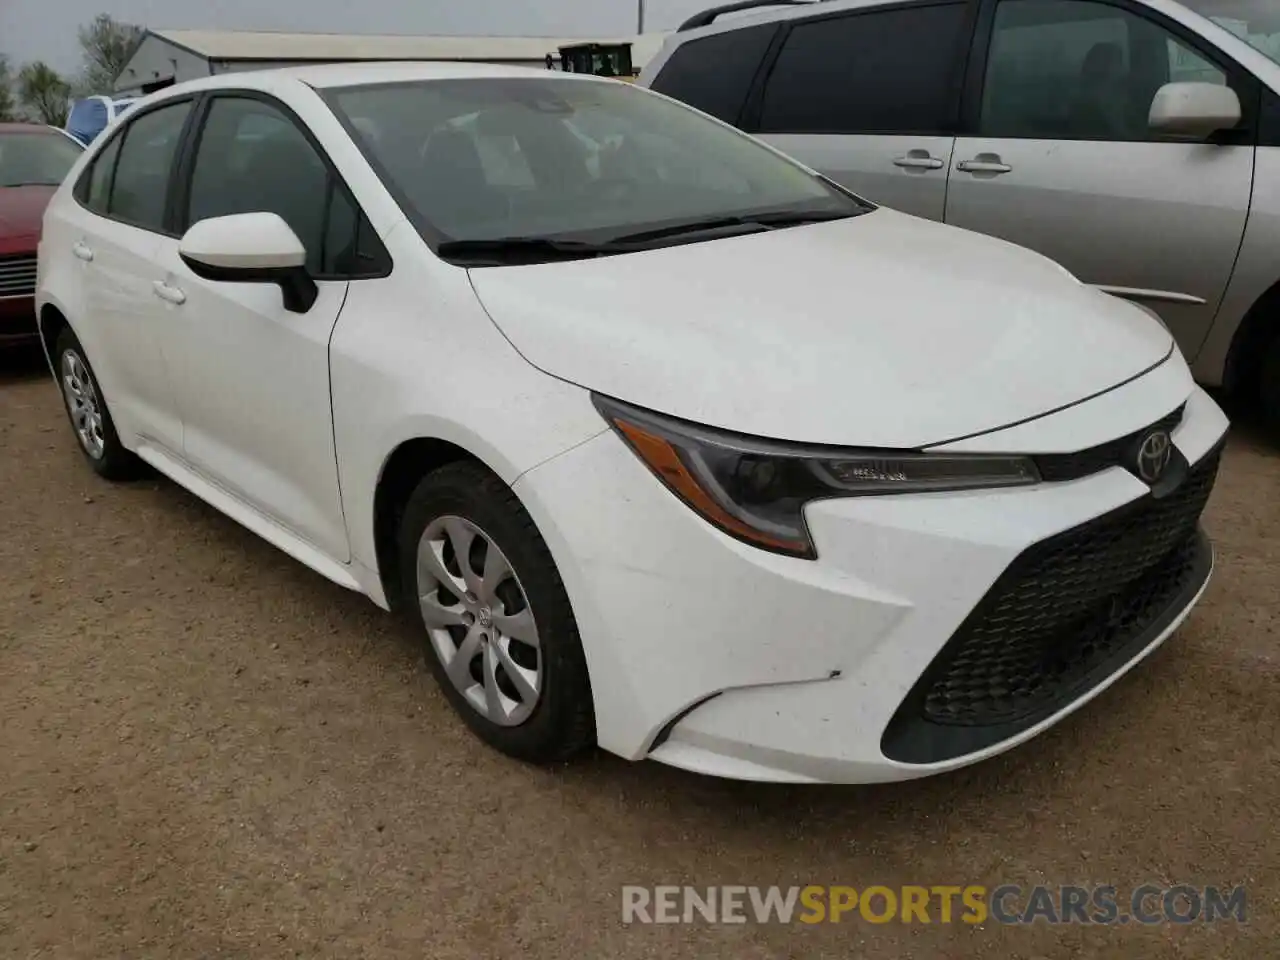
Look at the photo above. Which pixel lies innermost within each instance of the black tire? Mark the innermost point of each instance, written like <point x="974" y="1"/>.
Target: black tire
<point x="1269" y="385"/>
<point x="562" y="722"/>
<point x="113" y="462"/>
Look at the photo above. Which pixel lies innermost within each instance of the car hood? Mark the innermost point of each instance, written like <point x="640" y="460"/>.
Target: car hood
<point x="882" y="330"/>
<point x="22" y="211"/>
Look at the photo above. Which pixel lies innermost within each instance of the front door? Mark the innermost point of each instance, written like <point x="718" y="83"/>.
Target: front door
<point x="252" y="377"/>
<point x="1064" y="162"/>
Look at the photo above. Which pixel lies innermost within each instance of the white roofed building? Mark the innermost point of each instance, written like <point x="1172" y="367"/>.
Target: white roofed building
<point x="165" y="57"/>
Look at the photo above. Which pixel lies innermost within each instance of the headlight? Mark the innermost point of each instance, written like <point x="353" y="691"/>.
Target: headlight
<point x="756" y="490"/>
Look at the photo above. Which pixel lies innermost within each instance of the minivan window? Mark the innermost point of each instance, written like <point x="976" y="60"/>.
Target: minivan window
<point x="1257" y="22"/>
<point x="1080" y="70"/>
<point x="893" y="71"/>
<point x="715" y="73"/>
<point x="647" y="160"/>
<point x="141" y="187"/>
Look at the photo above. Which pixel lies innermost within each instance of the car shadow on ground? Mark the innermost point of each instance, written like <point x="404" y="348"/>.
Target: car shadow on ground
<point x="22" y="364"/>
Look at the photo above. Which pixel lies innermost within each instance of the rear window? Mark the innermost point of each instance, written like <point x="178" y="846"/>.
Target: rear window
<point x="715" y="73"/>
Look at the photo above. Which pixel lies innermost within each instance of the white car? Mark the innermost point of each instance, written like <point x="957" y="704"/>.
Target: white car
<point x="707" y="461"/>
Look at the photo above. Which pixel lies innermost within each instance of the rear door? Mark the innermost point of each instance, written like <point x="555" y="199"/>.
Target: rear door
<point x="115" y="234"/>
<point x="1062" y="159"/>
<point x="871" y="99"/>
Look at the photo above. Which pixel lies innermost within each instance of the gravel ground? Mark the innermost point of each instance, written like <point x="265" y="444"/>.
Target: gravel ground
<point x="208" y="751"/>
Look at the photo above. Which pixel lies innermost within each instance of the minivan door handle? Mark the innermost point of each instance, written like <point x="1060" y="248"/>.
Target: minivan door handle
<point x="81" y="251"/>
<point x="918" y="160"/>
<point x="169" y="294"/>
<point x="984" y="163"/>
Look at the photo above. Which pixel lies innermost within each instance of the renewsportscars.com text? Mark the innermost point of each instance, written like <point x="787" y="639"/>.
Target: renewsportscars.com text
<point x="973" y="904"/>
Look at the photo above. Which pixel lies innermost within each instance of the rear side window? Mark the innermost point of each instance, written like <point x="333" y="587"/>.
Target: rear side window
<point x="892" y="71"/>
<point x="141" y="185"/>
<point x="714" y="74"/>
<point x="98" y="191"/>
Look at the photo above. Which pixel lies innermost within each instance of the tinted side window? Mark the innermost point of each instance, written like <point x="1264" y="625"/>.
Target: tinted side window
<point x="141" y="185"/>
<point x="1077" y="70"/>
<point x="252" y="158"/>
<point x="714" y="74"/>
<point x="97" y="193"/>
<point x="892" y="71"/>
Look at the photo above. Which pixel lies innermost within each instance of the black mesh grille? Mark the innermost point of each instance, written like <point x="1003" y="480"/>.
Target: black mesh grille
<point x="1066" y="614"/>
<point x="1084" y="463"/>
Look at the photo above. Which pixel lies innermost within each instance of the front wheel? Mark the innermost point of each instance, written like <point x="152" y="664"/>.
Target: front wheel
<point x="88" y="412"/>
<point x="499" y="633"/>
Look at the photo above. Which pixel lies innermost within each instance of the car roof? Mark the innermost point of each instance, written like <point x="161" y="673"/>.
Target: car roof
<point x="326" y="75"/>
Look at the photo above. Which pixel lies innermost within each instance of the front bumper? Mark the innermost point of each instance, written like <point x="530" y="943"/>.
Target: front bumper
<point x="711" y="655"/>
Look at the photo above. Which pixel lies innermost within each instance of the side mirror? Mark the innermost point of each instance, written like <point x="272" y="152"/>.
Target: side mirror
<point x="1194" y="109"/>
<point x="251" y="248"/>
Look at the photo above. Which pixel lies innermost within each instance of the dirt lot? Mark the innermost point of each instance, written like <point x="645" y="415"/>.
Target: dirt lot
<point x="208" y="751"/>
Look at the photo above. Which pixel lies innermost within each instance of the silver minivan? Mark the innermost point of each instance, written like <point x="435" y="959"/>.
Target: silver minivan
<point x="1136" y="142"/>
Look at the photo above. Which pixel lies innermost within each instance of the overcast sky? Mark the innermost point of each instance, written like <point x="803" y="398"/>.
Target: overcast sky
<point x="46" y="29"/>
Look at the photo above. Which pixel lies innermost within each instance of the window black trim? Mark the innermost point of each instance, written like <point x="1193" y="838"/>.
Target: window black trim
<point x="960" y="56"/>
<point x="185" y="168"/>
<point x="1239" y="78"/>
<point x="80" y="193"/>
<point x="1268" y="117"/>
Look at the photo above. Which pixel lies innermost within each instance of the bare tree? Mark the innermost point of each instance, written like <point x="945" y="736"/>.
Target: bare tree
<point x="6" y="90"/>
<point x="107" y="44"/>
<point x="45" y="93"/>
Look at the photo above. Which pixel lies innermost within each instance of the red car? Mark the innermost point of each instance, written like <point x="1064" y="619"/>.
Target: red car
<point x="33" y="161"/>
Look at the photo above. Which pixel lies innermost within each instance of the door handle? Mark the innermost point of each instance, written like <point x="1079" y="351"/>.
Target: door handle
<point x="81" y="251"/>
<point x="918" y="160"/>
<point x="984" y="163"/>
<point x="169" y="294"/>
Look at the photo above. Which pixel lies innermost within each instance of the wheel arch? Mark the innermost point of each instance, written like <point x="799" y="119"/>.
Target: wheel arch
<point x="402" y="471"/>
<point x="50" y="322"/>
<point x="1261" y="324"/>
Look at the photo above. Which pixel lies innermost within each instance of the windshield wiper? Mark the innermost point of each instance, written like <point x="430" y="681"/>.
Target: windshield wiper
<point x="28" y="183"/>
<point x="746" y="223"/>
<point x="505" y="250"/>
<point x="527" y="249"/>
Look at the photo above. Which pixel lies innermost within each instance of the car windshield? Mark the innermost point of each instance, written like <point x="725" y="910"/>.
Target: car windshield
<point x="1255" y="21"/>
<point x="43" y="159"/>
<point x="533" y="159"/>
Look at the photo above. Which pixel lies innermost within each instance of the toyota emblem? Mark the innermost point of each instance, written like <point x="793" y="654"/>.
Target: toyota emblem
<point x="1154" y="456"/>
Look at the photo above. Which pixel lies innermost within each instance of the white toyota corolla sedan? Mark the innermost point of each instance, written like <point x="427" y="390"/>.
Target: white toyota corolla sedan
<point x="665" y="442"/>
